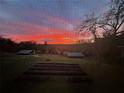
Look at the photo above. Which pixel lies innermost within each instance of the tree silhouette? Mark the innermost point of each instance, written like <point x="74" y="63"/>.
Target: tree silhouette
<point x="113" y="19"/>
<point x="7" y="45"/>
<point x="90" y="24"/>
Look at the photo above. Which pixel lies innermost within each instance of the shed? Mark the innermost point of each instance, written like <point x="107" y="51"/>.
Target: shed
<point x="26" y="52"/>
<point x="74" y="54"/>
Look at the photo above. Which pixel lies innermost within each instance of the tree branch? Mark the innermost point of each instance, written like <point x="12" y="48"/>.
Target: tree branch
<point x="120" y="24"/>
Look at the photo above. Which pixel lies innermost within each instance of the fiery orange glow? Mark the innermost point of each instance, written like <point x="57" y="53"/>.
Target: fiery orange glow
<point x="52" y="38"/>
<point x="25" y="31"/>
<point x="39" y="33"/>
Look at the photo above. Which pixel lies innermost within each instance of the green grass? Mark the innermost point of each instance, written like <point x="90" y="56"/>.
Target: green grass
<point x="106" y="77"/>
<point x="13" y="66"/>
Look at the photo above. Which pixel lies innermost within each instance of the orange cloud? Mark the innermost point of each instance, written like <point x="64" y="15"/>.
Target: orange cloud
<point x="54" y="38"/>
<point x="24" y="31"/>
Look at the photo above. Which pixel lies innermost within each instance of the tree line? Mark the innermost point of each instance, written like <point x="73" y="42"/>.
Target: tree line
<point x="7" y="45"/>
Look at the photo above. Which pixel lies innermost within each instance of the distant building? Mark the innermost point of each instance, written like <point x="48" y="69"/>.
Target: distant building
<point x="26" y="52"/>
<point x="74" y="54"/>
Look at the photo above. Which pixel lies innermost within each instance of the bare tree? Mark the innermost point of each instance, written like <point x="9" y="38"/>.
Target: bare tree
<point x="89" y="24"/>
<point x="113" y="18"/>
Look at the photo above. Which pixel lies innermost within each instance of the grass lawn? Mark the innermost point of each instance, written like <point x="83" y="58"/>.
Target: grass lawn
<point x="13" y="66"/>
<point x="107" y="78"/>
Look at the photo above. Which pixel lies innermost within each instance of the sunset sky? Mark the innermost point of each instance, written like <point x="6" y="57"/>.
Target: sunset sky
<point x="54" y="21"/>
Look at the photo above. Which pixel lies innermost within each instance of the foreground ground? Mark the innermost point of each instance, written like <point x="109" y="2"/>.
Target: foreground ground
<point x="107" y="78"/>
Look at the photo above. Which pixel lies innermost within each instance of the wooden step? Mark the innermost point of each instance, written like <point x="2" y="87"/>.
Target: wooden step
<point x="55" y="68"/>
<point x="33" y="78"/>
<point x="54" y="73"/>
